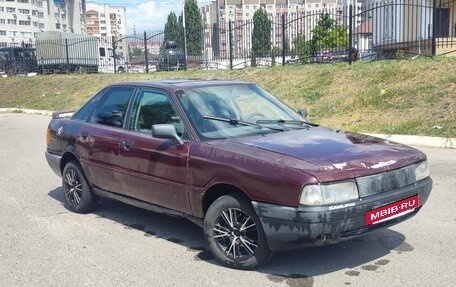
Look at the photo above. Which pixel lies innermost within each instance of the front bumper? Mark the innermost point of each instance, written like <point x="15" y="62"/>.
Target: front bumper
<point x="54" y="162"/>
<point x="289" y="228"/>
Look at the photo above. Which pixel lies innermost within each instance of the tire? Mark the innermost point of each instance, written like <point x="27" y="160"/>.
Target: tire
<point x="79" y="197"/>
<point x="235" y="234"/>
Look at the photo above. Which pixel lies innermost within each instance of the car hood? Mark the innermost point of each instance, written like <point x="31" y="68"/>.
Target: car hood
<point x="327" y="154"/>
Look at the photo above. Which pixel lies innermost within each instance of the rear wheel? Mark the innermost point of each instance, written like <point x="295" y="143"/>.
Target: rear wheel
<point x="78" y="194"/>
<point x="234" y="233"/>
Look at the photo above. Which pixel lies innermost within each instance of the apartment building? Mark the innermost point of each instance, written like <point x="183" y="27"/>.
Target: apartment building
<point x="20" y="19"/>
<point x="108" y="23"/>
<point x="300" y="16"/>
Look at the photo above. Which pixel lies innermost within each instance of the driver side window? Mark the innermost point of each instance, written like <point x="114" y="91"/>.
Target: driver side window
<point x="153" y="107"/>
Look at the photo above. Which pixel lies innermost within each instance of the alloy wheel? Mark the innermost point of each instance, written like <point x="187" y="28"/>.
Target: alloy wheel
<point x="73" y="187"/>
<point x="236" y="234"/>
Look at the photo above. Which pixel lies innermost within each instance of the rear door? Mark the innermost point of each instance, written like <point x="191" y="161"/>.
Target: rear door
<point x="98" y="140"/>
<point x="152" y="169"/>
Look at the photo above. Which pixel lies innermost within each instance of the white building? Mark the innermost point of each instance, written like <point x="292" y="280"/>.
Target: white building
<point x="108" y="23"/>
<point x="20" y="19"/>
<point x="301" y="17"/>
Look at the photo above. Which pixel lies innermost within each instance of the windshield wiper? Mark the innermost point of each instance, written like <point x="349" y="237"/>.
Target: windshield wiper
<point x="281" y="121"/>
<point x="236" y="122"/>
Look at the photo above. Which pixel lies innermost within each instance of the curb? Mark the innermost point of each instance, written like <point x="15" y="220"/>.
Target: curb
<point x="427" y="141"/>
<point x="25" y="111"/>
<point x="424" y="141"/>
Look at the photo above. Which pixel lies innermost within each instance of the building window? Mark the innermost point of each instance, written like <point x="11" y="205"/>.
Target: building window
<point x="10" y="10"/>
<point x="24" y="11"/>
<point x="2" y="33"/>
<point x="57" y="26"/>
<point x="24" y="23"/>
<point x="12" y="21"/>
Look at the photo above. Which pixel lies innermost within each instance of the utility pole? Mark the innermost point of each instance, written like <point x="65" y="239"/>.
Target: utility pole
<point x="185" y="34"/>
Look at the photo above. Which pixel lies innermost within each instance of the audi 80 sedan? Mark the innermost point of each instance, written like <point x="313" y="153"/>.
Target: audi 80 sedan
<point x="257" y="176"/>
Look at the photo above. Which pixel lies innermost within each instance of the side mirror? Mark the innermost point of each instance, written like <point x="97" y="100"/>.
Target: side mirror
<point x="303" y="113"/>
<point x="166" y="131"/>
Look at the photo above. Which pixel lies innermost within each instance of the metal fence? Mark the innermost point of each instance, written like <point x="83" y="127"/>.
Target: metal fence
<point x="377" y="30"/>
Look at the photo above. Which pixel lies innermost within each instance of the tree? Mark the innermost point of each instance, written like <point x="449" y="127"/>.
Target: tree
<point x="173" y="29"/>
<point x="327" y="34"/>
<point x="193" y="28"/>
<point x="136" y="52"/>
<point x="261" y="35"/>
<point x="302" y="48"/>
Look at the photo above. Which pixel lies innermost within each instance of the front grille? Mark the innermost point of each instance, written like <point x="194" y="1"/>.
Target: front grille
<point x="377" y="183"/>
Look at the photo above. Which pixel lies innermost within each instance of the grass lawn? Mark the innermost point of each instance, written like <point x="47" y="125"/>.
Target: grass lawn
<point x="397" y="97"/>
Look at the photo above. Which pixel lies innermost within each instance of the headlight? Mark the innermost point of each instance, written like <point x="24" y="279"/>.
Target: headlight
<point x="323" y="194"/>
<point x="422" y="171"/>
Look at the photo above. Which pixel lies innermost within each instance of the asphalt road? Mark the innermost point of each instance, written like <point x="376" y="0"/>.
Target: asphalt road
<point x="44" y="244"/>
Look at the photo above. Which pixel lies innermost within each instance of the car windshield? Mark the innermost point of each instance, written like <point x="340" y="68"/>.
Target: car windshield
<point x="226" y="111"/>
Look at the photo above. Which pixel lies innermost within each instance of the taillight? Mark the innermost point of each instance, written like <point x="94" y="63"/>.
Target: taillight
<point x="48" y="136"/>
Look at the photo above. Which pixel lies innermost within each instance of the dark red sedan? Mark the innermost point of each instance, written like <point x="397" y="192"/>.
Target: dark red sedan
<point x="256" y="175"/>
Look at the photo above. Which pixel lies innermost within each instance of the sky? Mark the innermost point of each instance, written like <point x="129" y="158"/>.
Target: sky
<point x="148" y="15"/>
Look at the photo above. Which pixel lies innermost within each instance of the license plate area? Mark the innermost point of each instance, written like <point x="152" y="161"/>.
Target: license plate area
<point x="392" y="210"/>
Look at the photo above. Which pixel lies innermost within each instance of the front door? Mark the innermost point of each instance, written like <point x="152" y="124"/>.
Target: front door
<point x="152" y="169"/>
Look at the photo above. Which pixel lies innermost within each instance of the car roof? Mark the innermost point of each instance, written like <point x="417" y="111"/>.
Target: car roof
<point x="180" y="83"/>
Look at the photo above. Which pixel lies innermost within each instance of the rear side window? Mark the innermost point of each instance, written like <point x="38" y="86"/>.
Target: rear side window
<point x="112" y="107"/>
<point x="84" y="113"/>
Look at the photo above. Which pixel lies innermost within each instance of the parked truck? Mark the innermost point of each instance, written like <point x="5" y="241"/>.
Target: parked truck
<point x="66" y="52"/>
<point x="172" y="57"/>
<point x="107" y="56"/>
<point x="17" y="60"/>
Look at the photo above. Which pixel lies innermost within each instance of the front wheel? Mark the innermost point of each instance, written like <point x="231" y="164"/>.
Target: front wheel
<point x="234" y="233"/>
<point x="78" y="194"/>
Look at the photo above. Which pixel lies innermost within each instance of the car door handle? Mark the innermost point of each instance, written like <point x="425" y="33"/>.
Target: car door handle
<point x="127" y="144"/>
